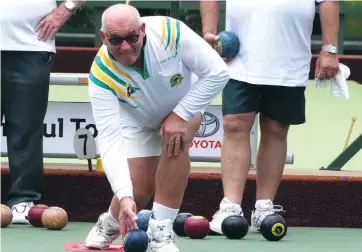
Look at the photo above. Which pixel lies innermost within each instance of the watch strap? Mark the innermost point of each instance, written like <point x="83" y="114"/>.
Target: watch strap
<point x="330" y="48"/>
<point x="70" y="6"/>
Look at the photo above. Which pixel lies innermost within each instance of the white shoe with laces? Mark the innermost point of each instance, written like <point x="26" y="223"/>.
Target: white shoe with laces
<point x="103" y="233"/>
<point x="20" y="212"/>
<point x="227" y="208"/>
<point x="263" y="208"/>
<point x="161" y="236"/>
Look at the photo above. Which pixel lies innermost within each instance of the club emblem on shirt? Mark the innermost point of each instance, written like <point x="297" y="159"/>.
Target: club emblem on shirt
<point x="130" y="90"/>
<point x="176" y="80"/>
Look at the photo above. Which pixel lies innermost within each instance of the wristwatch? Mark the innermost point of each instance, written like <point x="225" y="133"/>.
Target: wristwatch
<point x="70" y="5"/>
<point x="330" y="48"/>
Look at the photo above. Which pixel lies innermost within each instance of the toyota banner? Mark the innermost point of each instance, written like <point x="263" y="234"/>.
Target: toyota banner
<point x="63" y="119"/>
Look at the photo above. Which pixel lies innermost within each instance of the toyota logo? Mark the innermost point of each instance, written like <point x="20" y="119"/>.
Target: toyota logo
<point x="209" y="125"/>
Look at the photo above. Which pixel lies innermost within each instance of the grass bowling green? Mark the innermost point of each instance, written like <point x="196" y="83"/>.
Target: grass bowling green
<point x="299" y="239"/>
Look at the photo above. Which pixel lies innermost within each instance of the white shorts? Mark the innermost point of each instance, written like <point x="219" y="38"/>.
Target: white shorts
<point x="141" y="142"/>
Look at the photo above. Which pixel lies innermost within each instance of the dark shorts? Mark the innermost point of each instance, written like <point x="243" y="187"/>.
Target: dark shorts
<point x="285" y="105"/>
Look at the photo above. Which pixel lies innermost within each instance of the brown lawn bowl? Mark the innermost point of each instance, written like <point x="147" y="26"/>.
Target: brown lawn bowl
<point x="6" y="216"/>
<point x="54" y="218"/>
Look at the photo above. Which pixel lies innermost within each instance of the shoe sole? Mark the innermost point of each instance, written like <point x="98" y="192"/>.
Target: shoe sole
<point x="23" y="222"/>
<point x="215" y="230"/>
<point x="213" y="233"/>
<point x="254" y="229"/>
<point x="95" y="247"/>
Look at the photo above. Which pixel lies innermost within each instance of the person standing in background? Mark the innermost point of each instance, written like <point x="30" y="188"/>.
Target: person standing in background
<point x="28" y="30"/>
<point x="268" y="76"/>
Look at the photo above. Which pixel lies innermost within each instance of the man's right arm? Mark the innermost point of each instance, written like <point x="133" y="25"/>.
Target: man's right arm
<point x="107" y="117"/>
<point x="209" y="12"/>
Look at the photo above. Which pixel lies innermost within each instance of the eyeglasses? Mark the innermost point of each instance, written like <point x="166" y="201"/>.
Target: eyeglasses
<point x="118" y="40"/>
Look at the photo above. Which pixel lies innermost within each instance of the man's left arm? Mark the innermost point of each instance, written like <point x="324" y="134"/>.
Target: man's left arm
<point x="211" y="70"/>
<point x="48" y="27"/>
<point x="327" y="64"/>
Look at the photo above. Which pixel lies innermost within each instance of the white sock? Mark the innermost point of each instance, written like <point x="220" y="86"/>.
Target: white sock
<point x="263" y="203"/>
<point x="162" y="212"/>
<point x="228" y="201"/>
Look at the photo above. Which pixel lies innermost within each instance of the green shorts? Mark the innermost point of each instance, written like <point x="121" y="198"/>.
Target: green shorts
<point x="285" y="105"/>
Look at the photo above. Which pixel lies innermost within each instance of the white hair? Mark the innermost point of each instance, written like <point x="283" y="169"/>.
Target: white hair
<point x="119" y="9"/>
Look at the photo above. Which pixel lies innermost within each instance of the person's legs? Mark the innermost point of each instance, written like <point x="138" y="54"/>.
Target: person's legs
<point x="172" y="175"/>
<point x="271" y="157"/>
<point x="171" y="182"/>
<point x="148" y="171"/>
<point x="25" y="83"/>
<point x="143" y="147"/>
<point x="240" y="105"/>
<point x="106" y="230"/>
<point x="280" y="107"/>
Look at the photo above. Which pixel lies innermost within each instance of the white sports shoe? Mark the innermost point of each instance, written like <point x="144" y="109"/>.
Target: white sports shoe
<point x="161" y="236"/>
<point x="103" y="233"/>
<point x="227" y="208"/>
<point x="20" y="212"/>
<point x="263" y="208"/>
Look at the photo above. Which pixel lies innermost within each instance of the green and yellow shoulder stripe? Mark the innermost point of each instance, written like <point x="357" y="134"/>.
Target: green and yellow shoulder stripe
<point x="105" y="74"/>
<point x="170" y="33"/>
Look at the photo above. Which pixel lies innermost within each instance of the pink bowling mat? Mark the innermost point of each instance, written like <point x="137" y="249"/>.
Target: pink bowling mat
<point x="79" y="247"/>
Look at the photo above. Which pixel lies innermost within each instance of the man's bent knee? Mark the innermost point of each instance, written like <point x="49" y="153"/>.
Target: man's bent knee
<point x="238" y="124"/>
<point x="192" y="127"/>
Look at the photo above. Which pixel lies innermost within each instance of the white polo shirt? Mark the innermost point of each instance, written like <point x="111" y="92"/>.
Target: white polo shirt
<point x="181" y="74"/>
<point x="275" y="38"/>
<point x="18" y="20"/>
